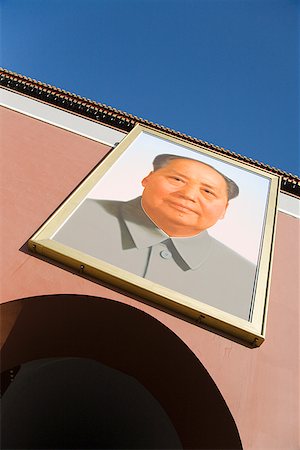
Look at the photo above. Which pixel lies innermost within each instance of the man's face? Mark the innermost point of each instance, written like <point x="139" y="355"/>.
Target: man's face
<point x="185" y="197"/>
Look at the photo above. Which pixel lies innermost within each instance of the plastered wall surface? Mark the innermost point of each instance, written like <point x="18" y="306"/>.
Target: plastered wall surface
<point x="41" y="165"/>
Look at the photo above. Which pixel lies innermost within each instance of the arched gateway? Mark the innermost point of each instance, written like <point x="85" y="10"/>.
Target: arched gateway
<point x="96" y="373"/>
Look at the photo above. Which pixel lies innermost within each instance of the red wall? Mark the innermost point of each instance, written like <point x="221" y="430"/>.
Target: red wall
<point x="41" y="165"/>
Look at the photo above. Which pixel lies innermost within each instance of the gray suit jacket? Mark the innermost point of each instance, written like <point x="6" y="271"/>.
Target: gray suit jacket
<point x="201" y="267"/>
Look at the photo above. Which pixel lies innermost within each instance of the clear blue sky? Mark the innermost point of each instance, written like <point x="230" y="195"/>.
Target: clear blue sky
<point x="225" y="71"/>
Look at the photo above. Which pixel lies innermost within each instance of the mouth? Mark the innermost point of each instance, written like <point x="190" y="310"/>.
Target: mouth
<point x="182" y="208"/>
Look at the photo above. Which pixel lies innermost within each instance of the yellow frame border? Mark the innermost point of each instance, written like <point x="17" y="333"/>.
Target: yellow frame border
<point x="252" y="332"/>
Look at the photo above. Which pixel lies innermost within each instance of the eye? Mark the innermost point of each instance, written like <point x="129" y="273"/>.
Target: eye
<point x="177" y="179"/>
<point x="209" y="192"/>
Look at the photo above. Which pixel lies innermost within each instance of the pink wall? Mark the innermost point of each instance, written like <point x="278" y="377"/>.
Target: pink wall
<point x="41" y="165"/>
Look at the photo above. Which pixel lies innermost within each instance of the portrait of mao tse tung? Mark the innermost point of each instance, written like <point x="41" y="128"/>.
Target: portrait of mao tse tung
<point x="163" y="235"/>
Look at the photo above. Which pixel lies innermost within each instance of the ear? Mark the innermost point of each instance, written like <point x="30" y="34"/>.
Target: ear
<point x="224" y="212"/>
<point x="146" y="179"/>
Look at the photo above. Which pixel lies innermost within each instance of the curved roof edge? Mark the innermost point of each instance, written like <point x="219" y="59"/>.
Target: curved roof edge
<point x="102" y="113"/>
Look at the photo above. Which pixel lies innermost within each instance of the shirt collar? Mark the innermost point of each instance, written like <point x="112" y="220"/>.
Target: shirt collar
<point x="144" y="233"/>
<point x="195" y="249"/>
<point x="141" y="228"/>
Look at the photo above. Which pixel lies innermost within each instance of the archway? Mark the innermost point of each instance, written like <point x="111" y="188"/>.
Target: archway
<point x="130" y="342"/>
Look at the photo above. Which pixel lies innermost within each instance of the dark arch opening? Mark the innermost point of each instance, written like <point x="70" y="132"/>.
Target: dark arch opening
<point x="126" y="340"/>
<point x="80" y="403"/>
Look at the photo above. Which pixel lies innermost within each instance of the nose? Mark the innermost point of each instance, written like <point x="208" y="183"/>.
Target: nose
<point x="189" y="192"/>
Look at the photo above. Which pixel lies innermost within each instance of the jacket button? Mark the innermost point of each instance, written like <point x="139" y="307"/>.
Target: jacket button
<point x="166" y="254"/>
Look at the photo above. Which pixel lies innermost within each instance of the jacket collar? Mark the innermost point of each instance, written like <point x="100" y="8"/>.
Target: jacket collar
<point x="144" y="233"/>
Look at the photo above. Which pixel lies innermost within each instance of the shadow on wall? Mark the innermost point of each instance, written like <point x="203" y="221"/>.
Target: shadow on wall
<point x="95" y="373"/>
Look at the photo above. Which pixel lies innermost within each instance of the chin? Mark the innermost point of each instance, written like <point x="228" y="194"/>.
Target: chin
<point x="182" y="221"/>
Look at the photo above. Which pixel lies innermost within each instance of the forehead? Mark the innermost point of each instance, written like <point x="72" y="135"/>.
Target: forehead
<point x="196" y="170"/>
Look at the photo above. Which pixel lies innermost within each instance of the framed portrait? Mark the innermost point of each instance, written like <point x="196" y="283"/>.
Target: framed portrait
<point x="177" y="224"/>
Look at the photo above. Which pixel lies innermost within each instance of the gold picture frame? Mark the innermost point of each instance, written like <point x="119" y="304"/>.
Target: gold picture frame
<point x="243" y="246"/>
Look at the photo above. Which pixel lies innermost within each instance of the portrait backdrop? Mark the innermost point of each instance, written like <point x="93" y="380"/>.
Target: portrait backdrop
<point x="219" y="278"/>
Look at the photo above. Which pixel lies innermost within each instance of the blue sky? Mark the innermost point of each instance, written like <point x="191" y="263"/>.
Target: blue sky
<point x="225" y="71"/>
